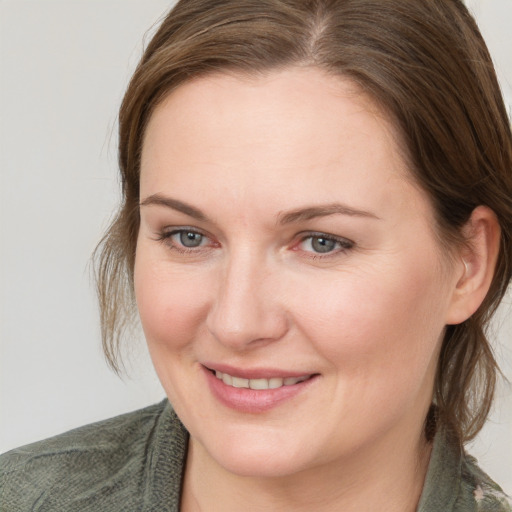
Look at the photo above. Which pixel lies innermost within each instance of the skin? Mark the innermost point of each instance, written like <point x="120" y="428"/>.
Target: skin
<point x="367" y="316"/>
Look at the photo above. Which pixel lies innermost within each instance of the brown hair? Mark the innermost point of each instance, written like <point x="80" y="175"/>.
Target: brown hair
<point x="423" y="61"/>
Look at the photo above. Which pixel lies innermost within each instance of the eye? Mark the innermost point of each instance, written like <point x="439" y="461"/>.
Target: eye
<point x="184" y="239"/>
<point x="320" y="243"/>
<point x="189" y="238"/>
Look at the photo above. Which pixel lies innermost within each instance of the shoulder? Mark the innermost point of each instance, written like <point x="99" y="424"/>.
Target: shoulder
<point x="85" y="468"/>
<point x="481" y="489"/>
<point x="455" y="483"/>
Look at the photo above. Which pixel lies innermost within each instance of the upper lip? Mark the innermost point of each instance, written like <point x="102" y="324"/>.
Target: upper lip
<point x="255" y="373"/>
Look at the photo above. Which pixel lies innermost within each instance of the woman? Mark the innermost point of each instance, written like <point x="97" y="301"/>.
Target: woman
<point x="316" y="228"/>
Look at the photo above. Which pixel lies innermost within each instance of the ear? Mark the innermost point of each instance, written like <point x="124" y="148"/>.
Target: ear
<point x="476" y="264"/>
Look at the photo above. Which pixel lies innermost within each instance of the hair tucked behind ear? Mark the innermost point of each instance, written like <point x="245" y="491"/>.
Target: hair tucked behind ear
<point x="423" y="61"/>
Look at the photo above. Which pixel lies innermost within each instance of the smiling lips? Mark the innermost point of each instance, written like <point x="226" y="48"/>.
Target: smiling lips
<point x="272" y="383"/>
<point x="258" y="394"/>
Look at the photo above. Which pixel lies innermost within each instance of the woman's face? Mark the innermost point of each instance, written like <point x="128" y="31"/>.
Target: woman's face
<point x="282" y="247"/>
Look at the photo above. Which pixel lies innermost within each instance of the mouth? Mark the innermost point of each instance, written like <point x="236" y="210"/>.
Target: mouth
<point x="256" y="391"/>
<point x="259" y="384"/>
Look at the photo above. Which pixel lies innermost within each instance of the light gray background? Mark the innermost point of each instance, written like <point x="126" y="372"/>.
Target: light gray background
<point x="63" y="68"/>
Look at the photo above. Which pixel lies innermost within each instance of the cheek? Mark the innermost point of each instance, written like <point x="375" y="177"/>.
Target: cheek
<point x="171" y="305"/>
<point x="381" y="321"/>
<point x="370" y="331"/>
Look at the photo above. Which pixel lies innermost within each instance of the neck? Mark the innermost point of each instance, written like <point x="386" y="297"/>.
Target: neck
<point x="388" y="478"/>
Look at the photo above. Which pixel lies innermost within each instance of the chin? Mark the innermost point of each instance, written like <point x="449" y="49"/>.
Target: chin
<point x="266" y="455"/>
<point x="259" y="465"/>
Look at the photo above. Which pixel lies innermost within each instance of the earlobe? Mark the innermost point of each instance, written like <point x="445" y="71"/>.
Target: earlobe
<point x="477" y="263"/>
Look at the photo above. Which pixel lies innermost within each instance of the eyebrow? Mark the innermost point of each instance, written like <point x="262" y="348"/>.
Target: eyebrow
<point x="169" y="202"/>
<point x="312" y="212"/>
<point x="298" y="215"/>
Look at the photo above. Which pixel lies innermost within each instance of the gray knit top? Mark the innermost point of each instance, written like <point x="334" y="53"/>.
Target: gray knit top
<point x="135" y="462"/>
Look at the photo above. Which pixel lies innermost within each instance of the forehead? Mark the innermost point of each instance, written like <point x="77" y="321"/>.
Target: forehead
<point x="296" y="101"/>
<point x="268" y="135"/>
<point x="284" y="88"/>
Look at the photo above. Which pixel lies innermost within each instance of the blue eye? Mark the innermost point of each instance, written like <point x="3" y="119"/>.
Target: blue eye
<point x="184" y="239"/>
<point x="190" y="239"/>
<point x="324" y="244"/>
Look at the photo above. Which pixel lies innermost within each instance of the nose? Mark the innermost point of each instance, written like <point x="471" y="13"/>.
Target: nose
<point x="247" y="310"/>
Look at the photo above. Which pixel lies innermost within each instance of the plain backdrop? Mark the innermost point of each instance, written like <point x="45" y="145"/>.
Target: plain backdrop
<point x="63" y="68"/>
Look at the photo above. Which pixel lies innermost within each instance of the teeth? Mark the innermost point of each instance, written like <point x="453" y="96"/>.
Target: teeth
<point x="240" y="383"/>
<point x="273" y="383"/>
<point x="259" y="384"/>
<point x="290" y="381"/>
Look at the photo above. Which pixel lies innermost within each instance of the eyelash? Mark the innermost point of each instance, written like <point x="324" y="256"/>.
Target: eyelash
<point x="343" y="244"/>
<point x="166" y="238"/>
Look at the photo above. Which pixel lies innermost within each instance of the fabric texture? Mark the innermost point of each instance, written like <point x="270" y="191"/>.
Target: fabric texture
<point x="135" y="462"/>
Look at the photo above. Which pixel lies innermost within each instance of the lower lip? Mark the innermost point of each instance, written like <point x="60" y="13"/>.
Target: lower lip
<point x="252" y="400"/>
